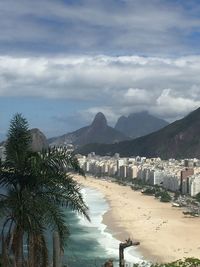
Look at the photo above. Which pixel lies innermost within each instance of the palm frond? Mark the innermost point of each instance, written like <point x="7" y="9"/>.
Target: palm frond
<point x="37" y="189"/>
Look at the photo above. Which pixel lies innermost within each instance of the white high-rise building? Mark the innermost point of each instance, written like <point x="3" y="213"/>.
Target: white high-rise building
<point x="194" y="184"/>
<point x="171" y="182"/>
<point x="156" y="177"/>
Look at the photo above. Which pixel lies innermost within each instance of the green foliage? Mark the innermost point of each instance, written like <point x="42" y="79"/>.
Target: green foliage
<point x="149" y="191"/>
<point x="138" y="181"/>
<point x="120" y="182"/>
<point x="129" y="180"/>
<point x="165" y="197"/>
<point x="36" y="189"/>
<point x="188" y="262"/>
<point x="18" y="142"/>
<point x="136" y="187"/>
<point x="176" y="195"/>
<point x="138" y="184"/>
<point x="158" y="194"/>
<point x="197" y="197"/>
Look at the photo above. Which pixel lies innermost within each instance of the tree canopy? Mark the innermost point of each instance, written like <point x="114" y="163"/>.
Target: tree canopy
<point x="36" y="186"/>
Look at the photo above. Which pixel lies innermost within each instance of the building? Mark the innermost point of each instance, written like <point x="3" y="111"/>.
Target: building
<point x="171" y="182"/>
<point x="132" y="171"/>
<point x="184" y="186"/>
<point x="156" y="177"/>
<point x="194" y="184"/>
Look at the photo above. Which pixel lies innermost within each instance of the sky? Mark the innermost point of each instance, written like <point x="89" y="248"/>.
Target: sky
<point x="63" y="61"/>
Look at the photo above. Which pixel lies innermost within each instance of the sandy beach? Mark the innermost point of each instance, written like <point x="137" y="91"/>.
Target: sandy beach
<point x="165" y="234"/>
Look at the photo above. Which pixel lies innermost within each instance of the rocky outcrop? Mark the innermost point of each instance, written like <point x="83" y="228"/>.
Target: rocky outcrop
<point x="39" y="140"/>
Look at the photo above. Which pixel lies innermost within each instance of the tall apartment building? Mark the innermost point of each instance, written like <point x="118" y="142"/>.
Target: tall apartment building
<point x="184" y="186"/>
<point x="194" y="184"/>
<point x="121" y="162"/>
<point x="133" y="171"/>
<point x="123" y="171"/>
<point x="171" y="182"/>
<point x="156" y="177"/>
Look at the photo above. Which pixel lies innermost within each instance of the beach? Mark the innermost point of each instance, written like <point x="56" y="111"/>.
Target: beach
<point x="164" y="233"/>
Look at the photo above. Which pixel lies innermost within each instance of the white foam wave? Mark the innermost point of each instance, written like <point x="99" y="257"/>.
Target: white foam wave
<point x="98" y="206"/>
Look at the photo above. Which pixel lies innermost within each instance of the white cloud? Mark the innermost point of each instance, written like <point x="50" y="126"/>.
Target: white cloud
<point x="137" y="96"/>
<point x="155" y="27"/>
<point x="168" y="105"/>
<point x="119" y="85"/>
<point x="108" y="111"/>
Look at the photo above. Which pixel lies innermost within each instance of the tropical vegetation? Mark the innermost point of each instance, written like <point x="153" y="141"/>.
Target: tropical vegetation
<point x="34" y="191"/>
<point x="197" y="197"/>
<point x="165" y="197"/>
<point x="187" y="262"/>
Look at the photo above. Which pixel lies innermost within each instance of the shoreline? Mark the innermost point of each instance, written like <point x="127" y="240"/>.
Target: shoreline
<point x="164" y="233"/>
<point x="121" y="234"/>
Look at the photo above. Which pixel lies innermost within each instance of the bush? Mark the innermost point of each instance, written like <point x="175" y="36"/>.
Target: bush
<point x="138" y="181"/>
<point x="188" y="262"/>
<point x="149" y="191"/>
<point x="158" y="194"/>
<point x="197" y="197"/>
<point x="165" y="197"/>
<point x="136" y="187"/>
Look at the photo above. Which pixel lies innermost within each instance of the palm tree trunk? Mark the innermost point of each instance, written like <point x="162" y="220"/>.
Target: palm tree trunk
<point x="37" y="251"/>
<point x="4" y="252"/>
<point x="31" y="251"/>
<point x="18" y="248"/>
<point x="56" y="250"/>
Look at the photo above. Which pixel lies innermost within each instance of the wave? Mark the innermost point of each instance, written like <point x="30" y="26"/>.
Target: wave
<point x="98" y="206"/>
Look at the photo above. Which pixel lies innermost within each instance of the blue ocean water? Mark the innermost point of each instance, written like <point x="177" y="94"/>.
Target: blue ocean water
<point x="90" y="244"/>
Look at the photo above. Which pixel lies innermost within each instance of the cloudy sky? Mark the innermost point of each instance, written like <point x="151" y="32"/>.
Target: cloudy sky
<point x="63" y="61"/>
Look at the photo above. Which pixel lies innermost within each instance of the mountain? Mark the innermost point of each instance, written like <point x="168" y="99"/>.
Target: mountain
<point x="180" y="139"/>
<point x="139" y="124"/>
<point x="97" y="132"/>
<point x="39" y="140"/>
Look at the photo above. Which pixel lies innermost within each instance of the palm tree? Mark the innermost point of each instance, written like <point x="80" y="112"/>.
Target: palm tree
<point x="35" y="190"/>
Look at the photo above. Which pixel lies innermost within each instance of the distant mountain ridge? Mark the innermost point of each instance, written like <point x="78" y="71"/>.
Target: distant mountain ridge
<point x="139" y="124"/>
<point x="180" y="139"/>
<point x="97" y="132"/>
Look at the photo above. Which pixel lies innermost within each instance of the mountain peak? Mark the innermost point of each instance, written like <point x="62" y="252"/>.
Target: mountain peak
<point x="99" y="120"/>
<point x="97" y="132"/>
<point x="139" y="124"/>
<point x="179" y="139"/>
<point x="141" y="114"/>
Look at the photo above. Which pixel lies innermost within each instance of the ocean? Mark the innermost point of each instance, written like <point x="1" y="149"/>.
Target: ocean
<point x="90" y="244"/>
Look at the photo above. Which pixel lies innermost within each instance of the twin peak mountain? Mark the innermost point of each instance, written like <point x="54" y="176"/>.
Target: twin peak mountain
<point x="98" y="131"/>
<point x="180" y="140"/>
<point x="144" y="135"/>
